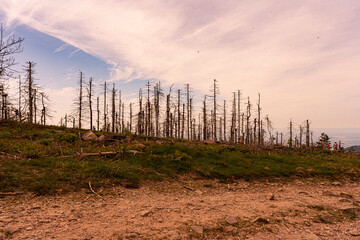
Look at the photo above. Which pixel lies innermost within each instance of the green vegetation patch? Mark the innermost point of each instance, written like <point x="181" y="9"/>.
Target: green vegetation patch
<point x="47" y="160"/>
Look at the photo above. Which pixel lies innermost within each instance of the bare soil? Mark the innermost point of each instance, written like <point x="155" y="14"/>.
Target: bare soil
<point x="190" y="209"/>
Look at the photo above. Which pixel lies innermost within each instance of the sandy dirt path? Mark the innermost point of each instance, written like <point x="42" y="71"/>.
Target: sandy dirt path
<point x="188" y="209"/>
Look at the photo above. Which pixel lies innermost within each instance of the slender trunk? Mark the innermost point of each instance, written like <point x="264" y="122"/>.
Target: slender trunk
<point x="98" y="113"/>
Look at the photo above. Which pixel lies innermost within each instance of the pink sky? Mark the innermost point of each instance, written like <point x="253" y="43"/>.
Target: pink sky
<point x="302" y="56"/>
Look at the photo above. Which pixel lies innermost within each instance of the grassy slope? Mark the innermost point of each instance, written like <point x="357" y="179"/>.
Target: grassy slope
<point x="31" y="160"/>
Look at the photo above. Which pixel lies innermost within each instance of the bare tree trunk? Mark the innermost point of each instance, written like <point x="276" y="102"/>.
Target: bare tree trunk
<point x="119" y="121"/>
<point x="178" y="115"/>
<point x="19" y="109"/>
<point x="130" y="117"/>
<point x="105" y="109"/>
<point x="224" y="120"/>
<point x="168" y="115"/>
<point x="80" y="98"/>
<point x="214" y="119"/>
<point x="291" y="133"/>
<point x="43" y="111"/>
<point x="98" y="113"/>
<point x="122" y="117"/>
<point x="301" y="135"/>
<point x="259" y="119"/>
<point x="188" y="111"/>
<point x="248" y="115"/>
<point x="239" y="115"/>
<point x="190" y="116"/>
<point x="35" y="108"/>
<point x="113" y="109"/>
<point x="183" y="122"/>
<point x="307" y="133"/>
<point x="30" y="91"/>
<point x="205" y="120"/>
<point x="90" y="102"/>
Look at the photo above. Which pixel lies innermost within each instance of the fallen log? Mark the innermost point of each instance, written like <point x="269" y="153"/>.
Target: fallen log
<point x="10" y="193"/>
<point x="97" y="154"/>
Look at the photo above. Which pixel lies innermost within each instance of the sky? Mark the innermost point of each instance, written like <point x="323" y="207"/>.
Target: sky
<point x="301" y="56"/>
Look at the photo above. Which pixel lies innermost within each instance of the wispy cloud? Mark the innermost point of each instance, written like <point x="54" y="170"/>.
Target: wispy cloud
<point x="61" y="48"/>
<point x="296" y="53"/>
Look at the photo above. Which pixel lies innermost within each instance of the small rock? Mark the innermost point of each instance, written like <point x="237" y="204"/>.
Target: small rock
<point x="271" y="196"/>
<point x="309" y="236"/>
<point x="101" y="138"/>
<point x="144" y="213"/>
<point x="336" y="183"/>
<point x="29" y="228"/>
<point x="199" y="192"/>
<point x="344" y="200"/>
<point x="197" y="229"/>
<point x="346" y="195"/>
<point x="349" y="209"/>
<point x="231" y="220"/>
<point x="6" y="219"/>
<point x="131" y="235"/>
<point x="174" y="235"/>
<point x="355" y="232"/>
<point x="88" y="136"/>
<point x="260" y="220"/>
<point x="231" y="229"/>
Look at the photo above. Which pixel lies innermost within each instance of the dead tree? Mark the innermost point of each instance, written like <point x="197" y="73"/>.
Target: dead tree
<point x="215" y="92"/>
<point x="30" y="90"/>
<point x="98" y="113"/>
<point x="90" y="95"/>
<point x="122" y="117"/>
<point x="205" y="129"/>
<point x="259" y="119"/>
<point x="119" y="123"/>
<point x="238" y="115"/>
<point x="35" y="106"/>
<point x="140" y="115"/>
<point x="148" y="112"/>
<point x="183" y="122"/>
<point x="233" y="120"/>
<point x="269" y="127"/>
<point x="130" y="117"/>
<point x="291" y="134"/>
<point x="179" y="114"/>
<point x="224" y="121"/>
<point x="248" y="116"/>
<point x="105" y="108"/>
<point x="80" y="97"/>
<point x="9" y="46"/>
<point x="188" y="117"/>
<point x="192" y="128"/>
<point x="19" y="107"/>
<point x="301" y="132"/>
<point x="307" y="133"/>
<point x="113" y="109"/>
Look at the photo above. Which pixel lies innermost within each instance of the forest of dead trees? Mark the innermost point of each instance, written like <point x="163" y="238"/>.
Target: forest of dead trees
<point x="156" y="112"/>
<point x="173" y="114"/>
<point x="30" y="103"/>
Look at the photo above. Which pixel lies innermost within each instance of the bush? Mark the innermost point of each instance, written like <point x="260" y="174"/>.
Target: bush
<point x="67" y="137"/>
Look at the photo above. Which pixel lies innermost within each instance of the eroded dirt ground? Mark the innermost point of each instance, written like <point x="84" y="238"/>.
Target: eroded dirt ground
<point x="190" y="209"/>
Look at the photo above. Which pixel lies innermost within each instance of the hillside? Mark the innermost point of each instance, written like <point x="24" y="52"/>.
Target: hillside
<point x="49" y="160"/>
<point x="353" y="149"/>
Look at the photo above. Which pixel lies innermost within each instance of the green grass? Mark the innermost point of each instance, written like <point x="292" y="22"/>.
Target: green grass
<point x="39" y="165"/>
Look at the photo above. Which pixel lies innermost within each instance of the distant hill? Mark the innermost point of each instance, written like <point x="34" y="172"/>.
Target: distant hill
<point x="353" y="148"/>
